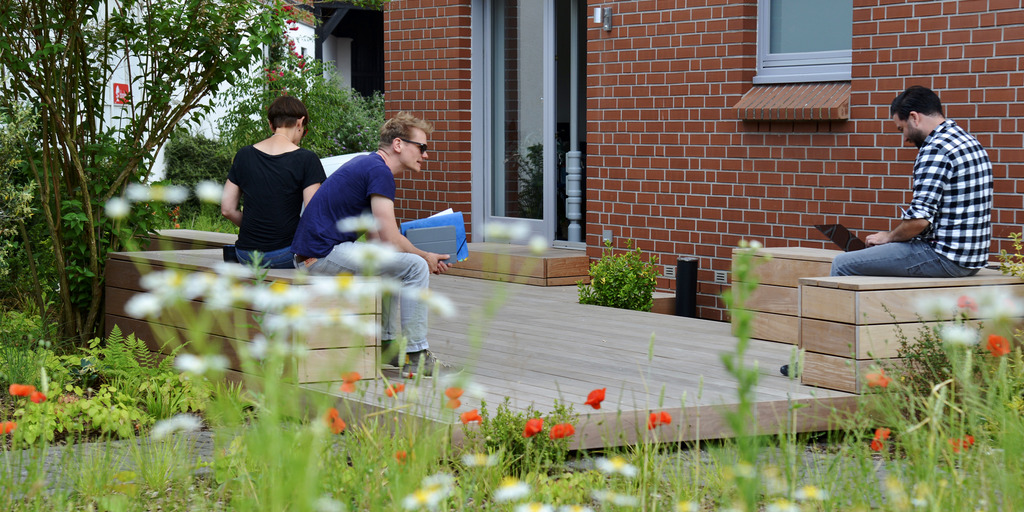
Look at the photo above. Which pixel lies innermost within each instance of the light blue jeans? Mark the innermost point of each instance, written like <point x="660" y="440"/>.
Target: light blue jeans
<point x="408" y="268"/>
<point x="914" y="258"/>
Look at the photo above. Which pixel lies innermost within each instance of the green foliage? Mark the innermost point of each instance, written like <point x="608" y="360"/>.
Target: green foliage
<point x="503" y="434"/>
<point x="24" y="342"/>
<point x="78" y="413"/>
<point x="924" y="361"/>
<point x="341" y="120"/>
<point x="59" y="60"/>
<point x="193" y="158"/>
<point x="620" y="280"/>
<point x="1013" y="264"/>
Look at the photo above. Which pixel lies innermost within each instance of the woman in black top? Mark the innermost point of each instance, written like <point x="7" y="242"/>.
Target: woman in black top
<point x="273" y="179"/>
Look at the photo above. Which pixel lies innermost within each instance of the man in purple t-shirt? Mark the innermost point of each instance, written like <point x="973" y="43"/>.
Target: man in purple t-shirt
<point x="366" y="184"/>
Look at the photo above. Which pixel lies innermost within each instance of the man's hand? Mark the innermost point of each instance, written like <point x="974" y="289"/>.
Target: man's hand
<point x="880" y="238"/>
<point x="435" y="263"/>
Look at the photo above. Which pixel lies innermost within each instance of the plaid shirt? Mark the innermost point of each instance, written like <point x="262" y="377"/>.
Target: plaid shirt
<point x="953" y="191"/>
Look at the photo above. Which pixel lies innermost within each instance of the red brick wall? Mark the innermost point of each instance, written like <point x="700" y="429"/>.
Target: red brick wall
<point x="427" y="72"/>
<point x="670" y="166"/>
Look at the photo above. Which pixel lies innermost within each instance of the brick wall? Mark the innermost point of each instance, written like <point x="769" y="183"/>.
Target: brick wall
<point x="670" y="165"/>
<point x="427" y="72"/>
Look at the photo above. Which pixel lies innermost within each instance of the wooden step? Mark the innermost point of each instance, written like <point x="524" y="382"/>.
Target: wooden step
<point x="517" y="264"/>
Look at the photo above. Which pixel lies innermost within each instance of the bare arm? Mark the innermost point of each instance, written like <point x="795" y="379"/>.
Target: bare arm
<point x="384" y="211"/>
<point x="307" y="193"/>
<point x="229" y="200"/>
<point x="904" y="231"/>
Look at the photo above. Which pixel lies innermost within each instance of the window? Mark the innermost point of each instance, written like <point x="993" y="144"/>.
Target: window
<point x="804" y="41"/>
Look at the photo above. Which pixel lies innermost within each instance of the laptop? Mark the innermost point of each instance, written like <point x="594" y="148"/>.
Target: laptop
<point x="436" y="239"/>
<point x="841" y="236"/>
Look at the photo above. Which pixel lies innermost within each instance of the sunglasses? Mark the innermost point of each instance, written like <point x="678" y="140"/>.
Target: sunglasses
<point x="421" y="145"/>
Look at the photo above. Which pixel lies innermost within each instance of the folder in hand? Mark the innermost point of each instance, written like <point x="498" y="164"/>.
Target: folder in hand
<point x="436" y="239"/>
<point x="460" y="252"/>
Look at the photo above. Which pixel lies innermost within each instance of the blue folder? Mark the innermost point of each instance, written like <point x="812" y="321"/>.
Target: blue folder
<point x="448" y="219"/>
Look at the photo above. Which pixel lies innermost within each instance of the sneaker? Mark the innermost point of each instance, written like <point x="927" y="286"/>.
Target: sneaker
<point x="390" y="349"/>
<point x="423" y="363"/>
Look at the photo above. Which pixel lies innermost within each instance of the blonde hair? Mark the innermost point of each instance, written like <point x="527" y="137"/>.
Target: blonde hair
<point x="398" y="127"/>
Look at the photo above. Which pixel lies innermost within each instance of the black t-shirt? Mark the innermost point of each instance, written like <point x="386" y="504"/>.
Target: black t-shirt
<point x="272" y="188"/>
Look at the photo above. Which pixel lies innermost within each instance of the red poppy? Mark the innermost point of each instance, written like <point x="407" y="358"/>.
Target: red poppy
<point x="37" y="397"/>
<point x="964" y="443"/>
<point x="882" y="434"/>
<point x="334" y="421"/>
<point x="658" y="418"/>
<point x="7" y="427"/>
<point x="877" y="379"/>
<point x="401" y="455"/>
<point x="998" y="345"/>
<point x="876" y="445"/>
<point x="454" y="403"/>
<point x="595" y="398"/>
<point x="965" y="302"/>
<point x="453" y="393"/>
<point x="533" y="427"/>
<point x="469" y="416"/>
<point x="562" y="430"/>
<point x="394" y="389"/>
<point x="21" y="390"/>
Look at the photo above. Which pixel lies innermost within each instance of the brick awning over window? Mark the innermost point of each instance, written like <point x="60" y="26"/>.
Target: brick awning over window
<point x="796" y="102"/>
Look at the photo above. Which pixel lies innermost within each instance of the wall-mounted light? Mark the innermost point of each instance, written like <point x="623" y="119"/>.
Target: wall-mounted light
<point x="603" y="15"/>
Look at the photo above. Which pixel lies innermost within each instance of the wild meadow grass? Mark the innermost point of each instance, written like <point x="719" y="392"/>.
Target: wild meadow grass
<point x="945" y="446"/>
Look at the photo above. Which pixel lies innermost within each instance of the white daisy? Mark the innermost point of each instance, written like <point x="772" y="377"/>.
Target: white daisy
<point x="810" y="493"/>
<point x="956" y="334"/>
<point x="144" y="305"/>
<point x="535" y="507"/>
<point x="137" y="193"/>
<point x="209" y="191"/>
<point x="782" y="505"/>
<point x="538" y="245"/>
<point x="479" y="460"/>
<point x="620" y="500"/>
<point x="173" y="194"/>
<point x="117" y="208"/>
<point x="360" y="224"/>
<point x="178" y="423"/>
<point x="199" y="365"/>
<point x="616" y="465"/>
<point x="511" y="490"/>
<point x="437" y="303"/>
<point x="506" y="231"/>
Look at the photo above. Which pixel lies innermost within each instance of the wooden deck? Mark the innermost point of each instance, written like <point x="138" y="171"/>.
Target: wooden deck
<point x="540" y="345"/>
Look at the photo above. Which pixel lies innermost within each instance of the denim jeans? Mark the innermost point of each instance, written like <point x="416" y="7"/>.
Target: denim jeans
<point x="914" y="258"/>
<point x="410" y="269"/>
<point x="278" y="258"/>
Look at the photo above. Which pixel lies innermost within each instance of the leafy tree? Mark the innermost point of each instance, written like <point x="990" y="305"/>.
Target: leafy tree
<point x="60" y="58"/>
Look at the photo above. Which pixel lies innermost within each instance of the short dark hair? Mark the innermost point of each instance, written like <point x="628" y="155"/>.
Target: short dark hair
<point x="398" y="127"/>
<point x="285" y="111"/>
<point x="915" y="99"/>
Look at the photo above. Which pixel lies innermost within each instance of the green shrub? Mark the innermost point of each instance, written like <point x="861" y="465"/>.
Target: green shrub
<point x="503" y="434"/>
<point x="621" y="280"/>
<point x="192" y="158"/>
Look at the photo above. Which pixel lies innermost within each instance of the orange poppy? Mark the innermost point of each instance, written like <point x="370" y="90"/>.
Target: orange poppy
<point x="37" y="397"/>
<point x="533" y="427"/>
<point x="876" y="445"/>
<point x="7" y="427"/>
<point x="562" y="430"/>
<point x="334" y="421"/>
<point x="595" y="398"/>
<point x="658" y="418"/>
<point x="882" y="433"/>
<point x="965" y="302"/>
<point x="998" y="345"/>
<point x="453" y="393"/>
<point x="469" y="416"/>
<point x="401" y="455"/>
<point x="877" y="380"/>
<point x="394" y="389"/>
<point x="21" y="390"/>
<point x="454" y="403"/>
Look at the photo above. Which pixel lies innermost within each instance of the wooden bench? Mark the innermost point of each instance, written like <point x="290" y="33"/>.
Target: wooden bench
<point x="846" y="323"/>
<point x="332" y="350"/>
<point x="185" y="239"/>
<point x="776" y="301"/>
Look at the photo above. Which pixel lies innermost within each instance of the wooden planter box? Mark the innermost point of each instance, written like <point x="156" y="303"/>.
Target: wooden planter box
<point x="331" y="351"/>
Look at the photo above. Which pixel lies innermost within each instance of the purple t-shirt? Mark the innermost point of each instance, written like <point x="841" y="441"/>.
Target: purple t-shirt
<point x="346" y="193"/>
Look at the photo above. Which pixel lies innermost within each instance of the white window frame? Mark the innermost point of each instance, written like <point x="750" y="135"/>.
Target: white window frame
<point x="827" y="66"/>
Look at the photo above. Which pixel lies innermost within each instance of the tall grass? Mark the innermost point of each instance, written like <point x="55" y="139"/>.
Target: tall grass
<point x="960" y="446"/>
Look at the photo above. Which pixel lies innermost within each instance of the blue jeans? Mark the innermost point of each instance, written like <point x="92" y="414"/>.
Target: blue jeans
<point x="408" y="268"/>
<point x="278" y="258"/>
<point x="914" y="258"/>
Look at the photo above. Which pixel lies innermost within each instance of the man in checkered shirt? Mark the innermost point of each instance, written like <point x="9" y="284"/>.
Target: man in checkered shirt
<point x="947" y="229"/>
